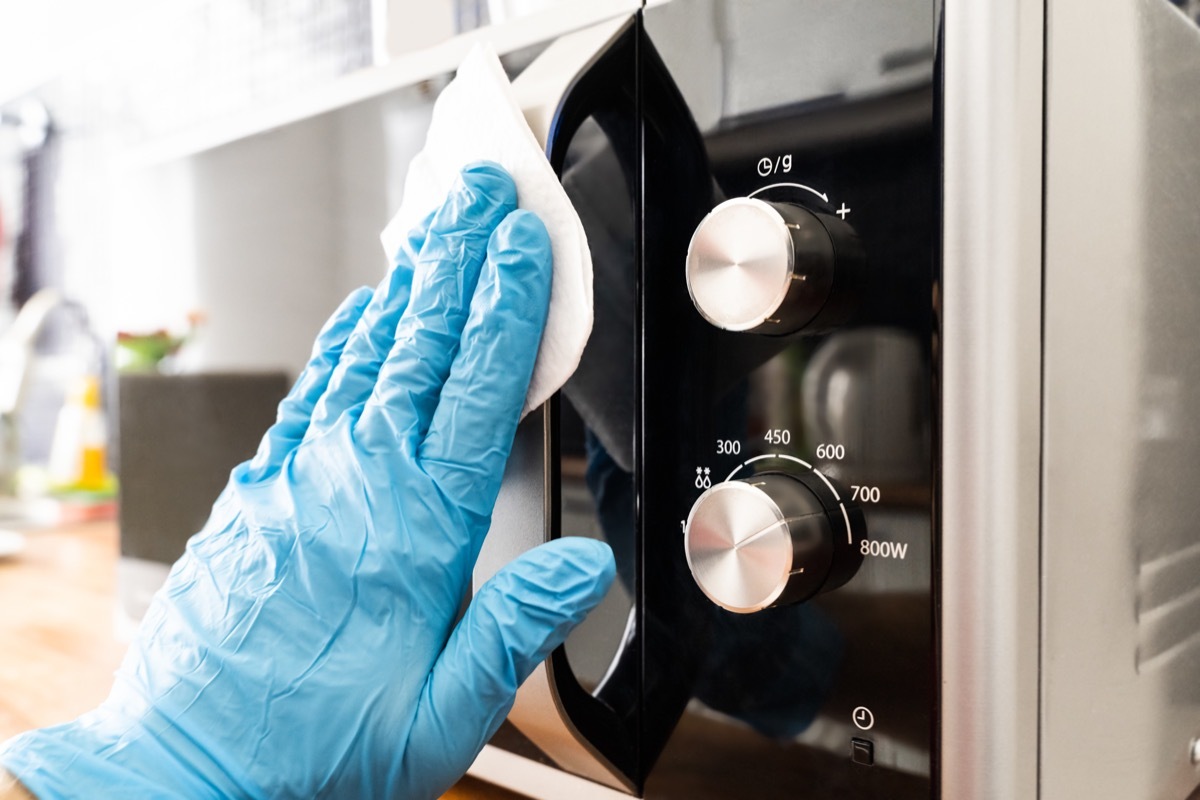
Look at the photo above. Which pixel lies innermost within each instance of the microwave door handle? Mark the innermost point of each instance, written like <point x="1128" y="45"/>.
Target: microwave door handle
<point x="574" y="78"/>
<point x="607" y="737"/>
<point x="592" y="742"/>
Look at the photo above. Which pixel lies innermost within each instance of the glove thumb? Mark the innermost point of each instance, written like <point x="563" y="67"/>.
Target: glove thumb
<point x="519" y="616"/>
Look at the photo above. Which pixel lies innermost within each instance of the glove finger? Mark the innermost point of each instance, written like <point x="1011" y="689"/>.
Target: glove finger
<point x="295" y="410"/>
<point x="427" y="338"/>
<point x="472" y="429"/>
<point x="519" y="616"/>
<point x="355" y="373"/>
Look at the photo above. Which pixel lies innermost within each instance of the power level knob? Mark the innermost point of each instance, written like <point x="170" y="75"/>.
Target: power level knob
<point x="771" y="540"/>
<point x="772" y="268"/>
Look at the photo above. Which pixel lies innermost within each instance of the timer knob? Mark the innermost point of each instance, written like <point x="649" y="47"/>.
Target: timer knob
<point x="771" y="268"/>
<point x="771" y="540"/>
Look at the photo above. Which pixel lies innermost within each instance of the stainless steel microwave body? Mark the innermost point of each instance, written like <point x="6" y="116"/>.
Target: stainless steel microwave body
<point x="889" y="412"/>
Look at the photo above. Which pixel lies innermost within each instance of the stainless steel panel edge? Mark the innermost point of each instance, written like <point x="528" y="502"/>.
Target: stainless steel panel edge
<point x="1121" y="669"/>
<point x="521" y="515"/>
<point x="990" y="344"/>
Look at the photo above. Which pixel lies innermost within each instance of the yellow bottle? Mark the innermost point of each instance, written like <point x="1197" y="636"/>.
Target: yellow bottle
<point x="78" y="454"/>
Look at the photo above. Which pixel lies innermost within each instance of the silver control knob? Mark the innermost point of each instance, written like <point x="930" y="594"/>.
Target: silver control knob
<point x="770" y="540"/>
<point x="766" y="267"/>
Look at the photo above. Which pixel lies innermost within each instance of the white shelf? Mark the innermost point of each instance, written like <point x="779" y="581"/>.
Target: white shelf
<point x="405" y="70"/>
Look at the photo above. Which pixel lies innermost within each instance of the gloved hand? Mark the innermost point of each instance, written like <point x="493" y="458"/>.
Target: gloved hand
<point x="306" y="643"/>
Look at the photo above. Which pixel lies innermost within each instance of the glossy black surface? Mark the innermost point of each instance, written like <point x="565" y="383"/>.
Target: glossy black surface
<point x="593" y="147"/>
<point x="690" y="700"/>
<point x="854" y="402"/>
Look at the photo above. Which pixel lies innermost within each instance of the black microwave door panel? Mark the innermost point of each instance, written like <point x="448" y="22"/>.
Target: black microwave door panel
<point x="701" y="102"/>
<point x="833" y="697"/>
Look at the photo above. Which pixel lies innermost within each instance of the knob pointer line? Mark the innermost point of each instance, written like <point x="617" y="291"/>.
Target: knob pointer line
<point x="759" y="534"/>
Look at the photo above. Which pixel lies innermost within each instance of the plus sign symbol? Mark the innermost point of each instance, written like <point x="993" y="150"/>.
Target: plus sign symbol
<point x="843" y="211"/>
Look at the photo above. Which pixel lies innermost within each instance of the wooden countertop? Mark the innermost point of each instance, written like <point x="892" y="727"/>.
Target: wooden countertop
<point x="58" y="639"/>
<point x="57" y="636"/>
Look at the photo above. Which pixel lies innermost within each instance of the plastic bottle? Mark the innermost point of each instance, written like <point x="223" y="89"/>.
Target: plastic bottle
<point x="78" y="454"/>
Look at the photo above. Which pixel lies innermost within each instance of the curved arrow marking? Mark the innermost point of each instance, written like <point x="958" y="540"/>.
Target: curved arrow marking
<point x="821" y="195"/>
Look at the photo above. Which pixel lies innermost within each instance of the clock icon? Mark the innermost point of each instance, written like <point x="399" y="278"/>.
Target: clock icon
<point x="863" y="718"/>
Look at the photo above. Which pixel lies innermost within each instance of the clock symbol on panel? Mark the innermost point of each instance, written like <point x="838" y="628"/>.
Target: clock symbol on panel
<point x="863" y="718"/>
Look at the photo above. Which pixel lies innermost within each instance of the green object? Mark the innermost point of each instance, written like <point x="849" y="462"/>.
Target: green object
<point x="142" y="352"/>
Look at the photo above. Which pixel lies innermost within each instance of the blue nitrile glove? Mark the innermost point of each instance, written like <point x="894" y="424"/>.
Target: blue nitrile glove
<point x="306" y="644"/>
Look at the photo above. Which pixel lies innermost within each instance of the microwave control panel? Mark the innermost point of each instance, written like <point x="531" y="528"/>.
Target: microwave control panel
<point x="789" y="440"/>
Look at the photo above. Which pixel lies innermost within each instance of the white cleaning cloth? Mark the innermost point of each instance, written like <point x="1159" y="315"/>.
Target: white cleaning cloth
<point x="477" y="118"/>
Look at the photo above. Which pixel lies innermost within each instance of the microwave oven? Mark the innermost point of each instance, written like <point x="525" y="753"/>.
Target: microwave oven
<point x="888" y="410"/>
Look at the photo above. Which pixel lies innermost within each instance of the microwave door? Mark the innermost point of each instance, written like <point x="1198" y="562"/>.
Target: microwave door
<point x="603" y="706"/>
